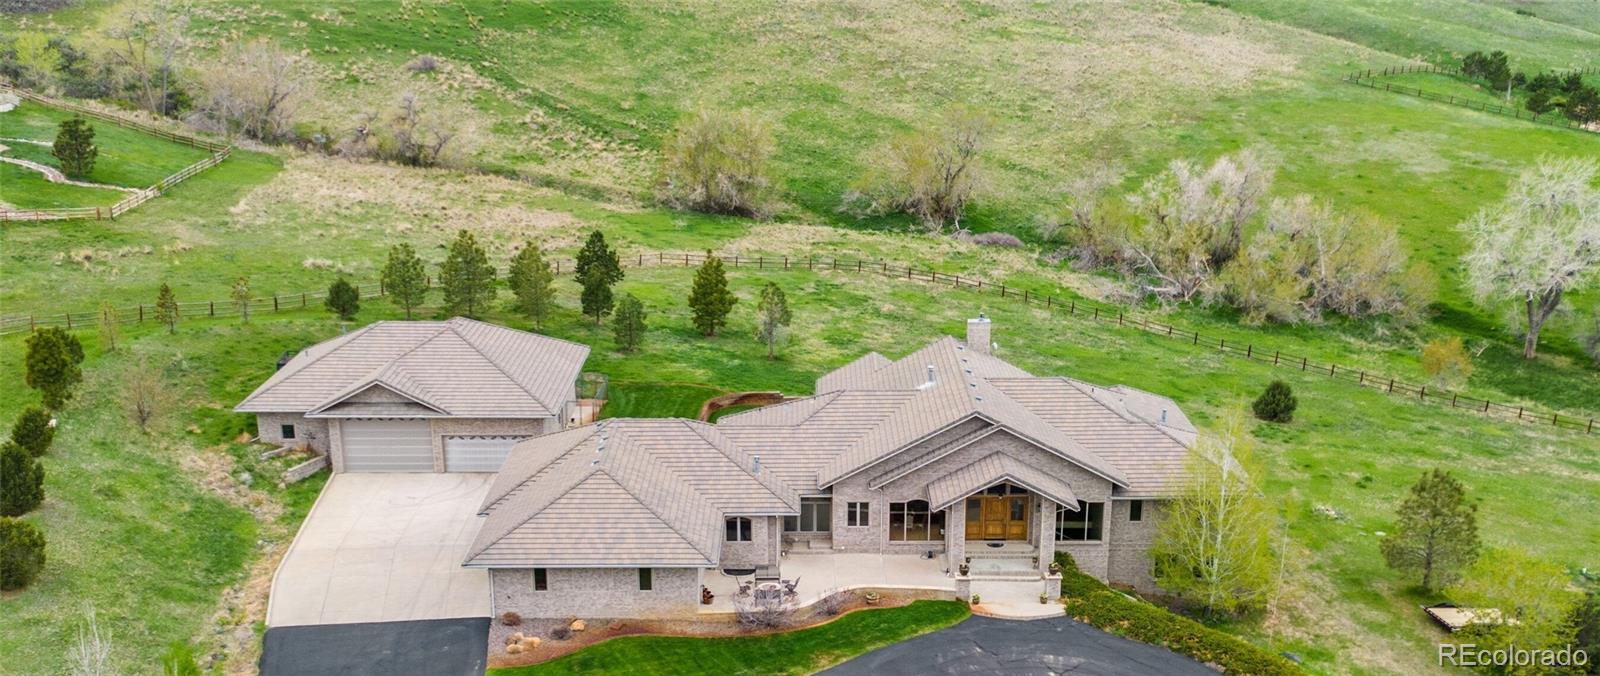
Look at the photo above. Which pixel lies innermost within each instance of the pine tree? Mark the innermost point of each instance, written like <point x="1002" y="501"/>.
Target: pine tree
<point x="1437" y="531"/>
<point x="74" y="148"/>
<point x="33" y="431"/>
<point x="709" y="299"/>
<point x="628" y="326"/>
<point x="1276" y="403"/>
<point x="596" y="299"/>
<point x="467" y="277"/>
<point x="772" y="314"/>
<point x="405" y="278"/>
<point x="52" y="365"/>
<point x="596" y="254"/>
<point x="167" y="308"/>
<point x="110" y="329"/>
<point x="241" y="298"/>
<point x="343" y="299"/>
<point x="21" y="481"/>
<point x="21" y="553"/>
<point x="533" y="282"/>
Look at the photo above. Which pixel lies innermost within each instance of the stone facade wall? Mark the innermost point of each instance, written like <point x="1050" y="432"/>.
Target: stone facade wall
<point x="761" y="550"/>
<point x="597" y="593"/>
<point x="1129" y="551"/>
<point x="443" y="427"/>
<point x="312" y="433"/>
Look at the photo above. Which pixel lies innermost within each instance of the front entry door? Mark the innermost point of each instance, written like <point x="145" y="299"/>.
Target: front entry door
<point x="991" y="517"/>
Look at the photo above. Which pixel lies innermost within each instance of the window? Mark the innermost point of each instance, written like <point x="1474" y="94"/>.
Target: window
<point x="738" y="529"/>
<point x="857" y="514"/>
<point x="644" y="579"/>
<point x="541" y="581"/>
<point x="287" y="431"/>
<point x="914" y="522"/>
<point x="1136" y="510"/>
<point x="816" y="516"/>
<point x="1082" y="525"/>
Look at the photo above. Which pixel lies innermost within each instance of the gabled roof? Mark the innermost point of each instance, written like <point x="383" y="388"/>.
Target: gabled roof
<point x="993" y="469"/>
<point x="675" y="479"/>
<point x="458" y="367"/>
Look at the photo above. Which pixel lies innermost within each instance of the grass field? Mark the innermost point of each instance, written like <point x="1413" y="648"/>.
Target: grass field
<point x="581" y="94"/>
<point x="127" y="158"/>
<point x="799" y="652"/>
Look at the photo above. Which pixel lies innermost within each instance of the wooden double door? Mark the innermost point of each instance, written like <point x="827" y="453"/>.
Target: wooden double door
<point x="997" y="517"/>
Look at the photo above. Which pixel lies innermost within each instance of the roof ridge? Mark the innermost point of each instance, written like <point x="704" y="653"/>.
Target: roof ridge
<point x="492" y="325"/>
<point x="544" y="500"/>
<point x="694" y="426"/>
<point x="348" y="337"/>
<point x="495" y="363"/>
<point x="634" y="493"/>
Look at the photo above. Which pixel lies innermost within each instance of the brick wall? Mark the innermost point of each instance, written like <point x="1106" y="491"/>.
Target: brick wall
<point x="312" y="433"/>
<point x="597" y="593"/>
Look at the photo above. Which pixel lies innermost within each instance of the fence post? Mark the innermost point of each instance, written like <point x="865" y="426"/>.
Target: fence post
<point x="1391" y="391"/>
<point x="274" y="302"/>
<point x="69" y="320"/>
<point x="141" y="313"/>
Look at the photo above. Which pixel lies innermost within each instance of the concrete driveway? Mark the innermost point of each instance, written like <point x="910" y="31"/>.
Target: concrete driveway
<point x="984" y="645"/>
<point x="384" y="548"/>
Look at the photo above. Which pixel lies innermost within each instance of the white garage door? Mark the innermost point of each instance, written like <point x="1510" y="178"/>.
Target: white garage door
<point x="387" y="446"/>
<point x="477" y="453"/>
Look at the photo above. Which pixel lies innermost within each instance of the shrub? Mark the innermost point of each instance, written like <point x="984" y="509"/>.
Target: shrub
<point x="1088" y="600"/>
<point x="510" y="618"/>
<point x="561" y="633"/>
<point x="426" y="63"/>
<point x="343" y="299"/>
<point x="1445" y="360"/>
<point x="1000" y="239"/>
<point x="716" y="162"/>
<point x="21" y="553"/>
<point x="179" y="660"/>
<point x="415" y="132"/>
<point x="21" y="481"/>
<point x="33" y="431"/>
<point x="1276" y="404"/>
<point x="931" y="174"/>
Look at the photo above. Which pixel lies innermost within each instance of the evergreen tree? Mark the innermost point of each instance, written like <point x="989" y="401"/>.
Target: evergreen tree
<point x="33" y="431"/>
<point x="21" y="481"/>
<point x="628" y="325"/>
<point x="241" y="298"/>
<point x="467" y="277"/>
<point x="1538" y="102"/>
<point x="709" y="299"/>
<point x="597" y="254"/>
<point x="404" y="278"/>
<point x="167" y="308"/>
<point x="533" y="282"/>
<point x="52" y="365"/>
<point x="74" y="148"/>
<point x="596" y="297"/>
<point x="1276" y="404"/>
<point x="772" y="314"/>
<point x="1436" y="533"/>
<point x="21" y="553"/>
<point x="343" y="299"/>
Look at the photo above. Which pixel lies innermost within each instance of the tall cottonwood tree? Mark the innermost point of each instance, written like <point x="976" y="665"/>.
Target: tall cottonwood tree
<point x="405" y="278"/>
<point x="710" y="301"/>
<point x="467" y="276"/>
<point x="772" y="315"/>
<point x="1436" y="533"/>
<point x="1213" y="545"/>
<point x="1538" y="244"/>
<point x="1535" y="599"/>
<point x="533" y="282"/>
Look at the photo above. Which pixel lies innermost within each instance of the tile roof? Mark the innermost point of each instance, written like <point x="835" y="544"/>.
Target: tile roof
<point x="993" y="469"/>
<point x="458" y="367"/>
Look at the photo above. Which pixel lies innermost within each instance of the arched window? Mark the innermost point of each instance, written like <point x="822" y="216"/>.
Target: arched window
<point x="738" y="529"/>
<point x="914" y="522"/>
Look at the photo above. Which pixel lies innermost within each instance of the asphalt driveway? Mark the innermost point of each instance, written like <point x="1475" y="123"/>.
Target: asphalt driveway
<point x="416" y="648"/>
<point x="984" y="645"/>
<point x="384" y="548"/>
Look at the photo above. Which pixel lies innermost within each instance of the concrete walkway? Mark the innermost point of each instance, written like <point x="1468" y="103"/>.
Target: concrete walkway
<point x="824" y="574"/>
<point x="982" y="645"/>
<point x="384" y="548"/>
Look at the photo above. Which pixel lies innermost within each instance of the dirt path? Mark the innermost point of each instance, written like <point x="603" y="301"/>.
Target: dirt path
<point x="54" y="175"/>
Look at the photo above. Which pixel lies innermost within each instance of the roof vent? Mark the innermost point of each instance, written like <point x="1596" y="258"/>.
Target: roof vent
<point x="757" y="469"/>
<point x="929" y="382"/>
<point x="1163" y="416"/>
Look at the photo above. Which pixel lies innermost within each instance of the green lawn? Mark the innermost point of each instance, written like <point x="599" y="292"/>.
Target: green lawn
<point x="798" y="652"/>
<point x="127" y="158"/>
<point x="631" y="399"/>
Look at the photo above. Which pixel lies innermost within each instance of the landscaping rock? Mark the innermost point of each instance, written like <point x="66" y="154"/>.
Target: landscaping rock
<point x="578" y="625"/>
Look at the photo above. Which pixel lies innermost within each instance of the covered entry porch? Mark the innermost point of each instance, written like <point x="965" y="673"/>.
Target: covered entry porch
<point x="1002" y="514"/>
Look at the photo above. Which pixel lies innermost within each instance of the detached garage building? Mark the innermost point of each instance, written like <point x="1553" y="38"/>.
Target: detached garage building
<point x="450" y="396"/>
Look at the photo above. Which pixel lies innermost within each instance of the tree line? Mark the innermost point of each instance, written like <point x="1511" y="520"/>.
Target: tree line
<point x="1542" y="92"/>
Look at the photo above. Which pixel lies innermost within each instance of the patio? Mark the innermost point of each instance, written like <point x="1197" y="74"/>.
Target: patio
<point x="822" y="574"/>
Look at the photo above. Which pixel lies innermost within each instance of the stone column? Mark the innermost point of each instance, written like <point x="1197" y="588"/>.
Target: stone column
<point x="1047" y="532"/>
<point x="955" y="536"/>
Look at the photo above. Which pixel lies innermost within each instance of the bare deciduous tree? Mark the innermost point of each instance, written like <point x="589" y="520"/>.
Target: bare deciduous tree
<point x="717" y="162"/>
<point x="1083" y="224"/>
<point x="930" y="174"/>
<point x="146" y="41"/>
<point x="414" y="132"/>
<point x="146" y="394"/>
<point x="91" y="655"/>
<point x="1191" y="222"/>
<point x="251" y="89"/>
<point x="1538" y="243"/>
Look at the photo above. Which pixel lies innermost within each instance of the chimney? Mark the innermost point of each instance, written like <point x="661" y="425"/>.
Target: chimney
<point x="978" y="334"/>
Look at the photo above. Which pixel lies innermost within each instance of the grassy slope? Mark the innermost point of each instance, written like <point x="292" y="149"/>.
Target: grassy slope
<point x="800" y="652"/>
<point x="127" y="158"/>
